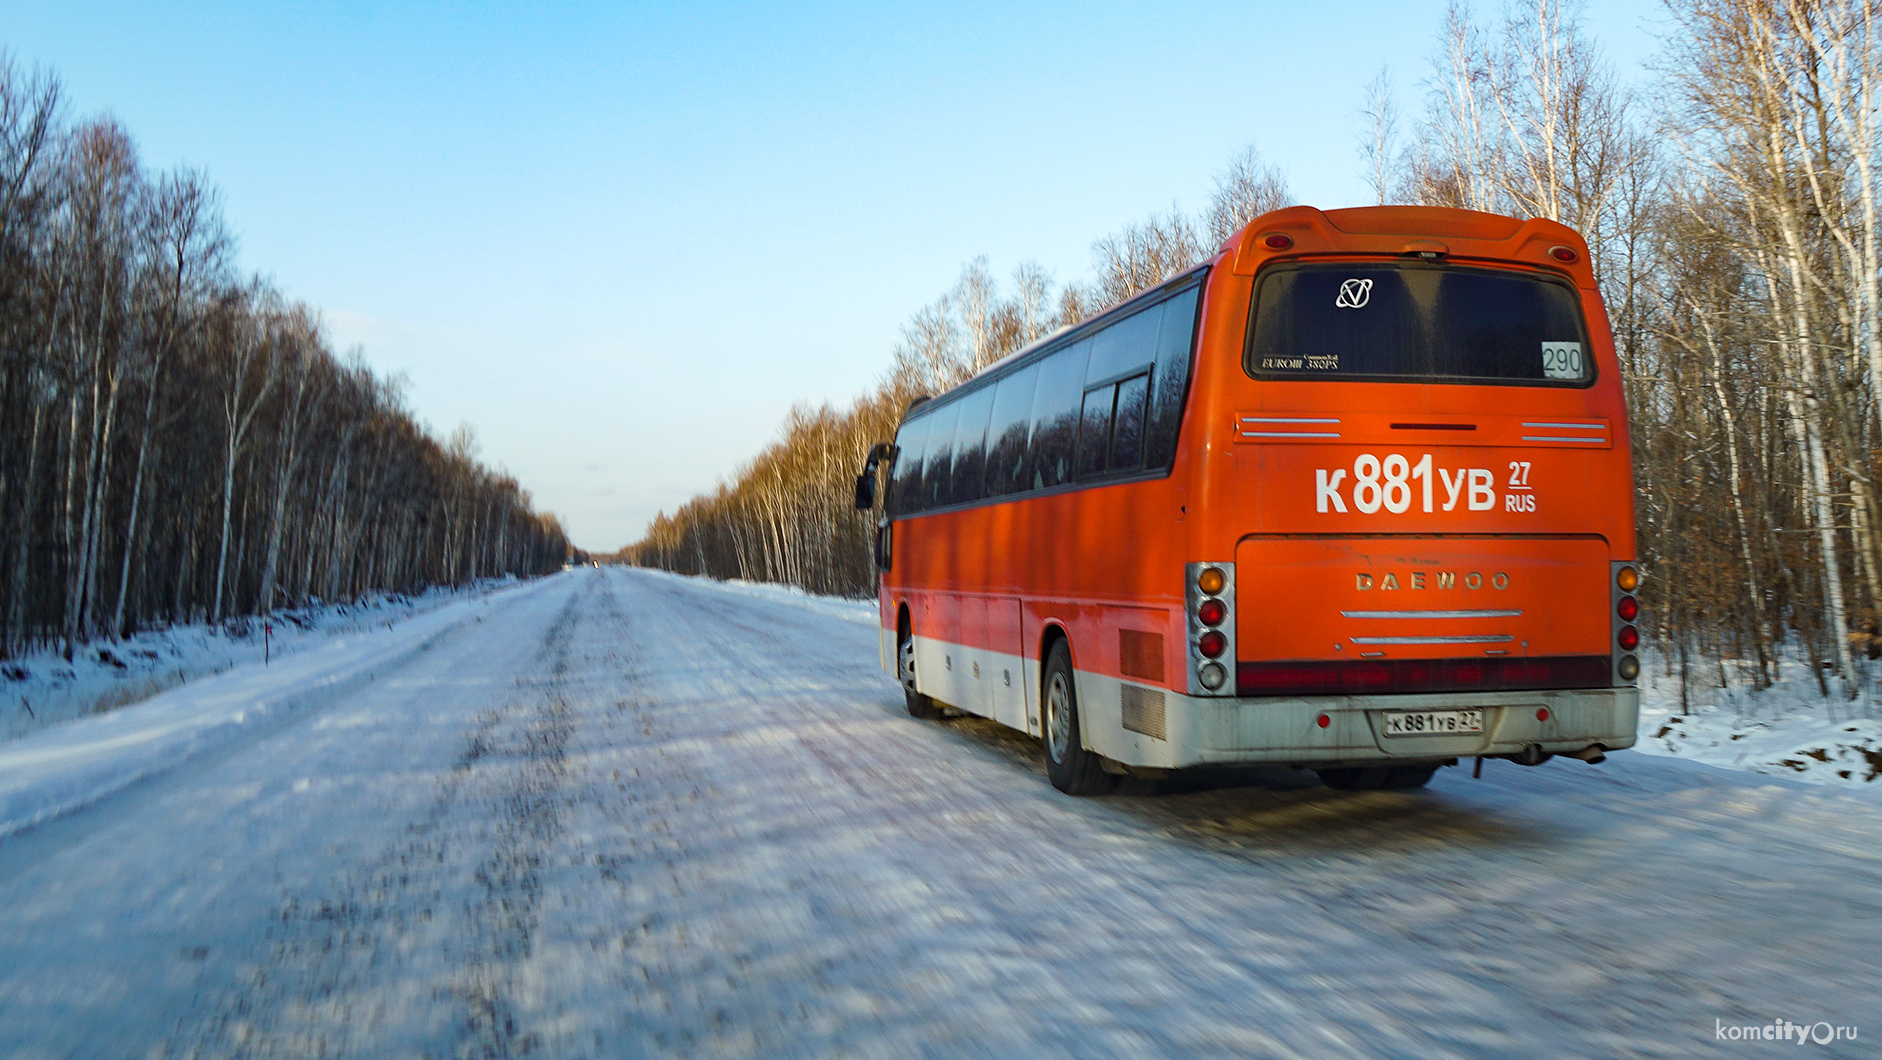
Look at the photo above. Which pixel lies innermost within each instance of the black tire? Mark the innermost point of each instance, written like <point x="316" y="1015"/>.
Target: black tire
<point x="1072" y="769"/>
<point x="919" y="706"/>
<point x="1348" y="778"/>
<point x="1369" y="778"/>
<point x="1404" y="777"/>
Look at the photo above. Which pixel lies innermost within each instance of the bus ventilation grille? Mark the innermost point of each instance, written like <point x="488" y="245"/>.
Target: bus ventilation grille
<point x="1143" y="711"/>
<point x="1140" y="654"/>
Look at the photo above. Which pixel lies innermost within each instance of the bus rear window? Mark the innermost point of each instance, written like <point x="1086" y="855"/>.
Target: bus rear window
<point x="1428" y="322"/>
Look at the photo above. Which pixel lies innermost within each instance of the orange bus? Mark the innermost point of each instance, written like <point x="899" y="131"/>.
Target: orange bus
<point x="1354" y="495"/>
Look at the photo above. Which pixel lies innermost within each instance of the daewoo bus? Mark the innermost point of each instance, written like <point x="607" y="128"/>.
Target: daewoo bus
<point x="1354" y="495"/>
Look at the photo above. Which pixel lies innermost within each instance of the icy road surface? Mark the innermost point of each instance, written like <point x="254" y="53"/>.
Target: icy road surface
<point x="622" y="814"/>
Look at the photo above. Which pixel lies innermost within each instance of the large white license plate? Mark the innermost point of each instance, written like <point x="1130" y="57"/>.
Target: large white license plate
<point x="1434" y="723"/>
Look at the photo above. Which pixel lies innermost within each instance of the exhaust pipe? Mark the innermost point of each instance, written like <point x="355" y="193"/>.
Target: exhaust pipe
<point x="1594" y="754"/>
<point x="1530" y="755"/>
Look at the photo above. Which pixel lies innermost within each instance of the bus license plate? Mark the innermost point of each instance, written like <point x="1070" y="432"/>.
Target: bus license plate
<point x="1434" y="723"/>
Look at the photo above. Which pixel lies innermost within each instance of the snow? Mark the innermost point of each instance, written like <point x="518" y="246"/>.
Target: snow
<point x="42" y="689"/>
<point x="61" y="768"/>
<point x="622" y="814"/>
<point x="865" y="612"/>
<point x="1789" y="730"/>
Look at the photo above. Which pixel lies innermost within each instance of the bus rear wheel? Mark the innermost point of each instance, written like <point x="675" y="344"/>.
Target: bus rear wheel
<point x="1072" y="769"/>
<point x="919" y="706"/>
<point x="1376" y="777"/>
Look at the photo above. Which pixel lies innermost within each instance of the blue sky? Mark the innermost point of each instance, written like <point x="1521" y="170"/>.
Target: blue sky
<point x="621" y="240"/>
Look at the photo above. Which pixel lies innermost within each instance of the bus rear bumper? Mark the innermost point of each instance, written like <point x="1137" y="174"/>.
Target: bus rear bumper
<point x="1204" y="731"/>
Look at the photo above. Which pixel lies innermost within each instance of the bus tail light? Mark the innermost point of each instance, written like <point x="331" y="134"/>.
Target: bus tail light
<point x="1626" y="610"/>
<point x="1209" y="613"/>
<point x="1278" y="241"/>
<point x="1212" y="676"/>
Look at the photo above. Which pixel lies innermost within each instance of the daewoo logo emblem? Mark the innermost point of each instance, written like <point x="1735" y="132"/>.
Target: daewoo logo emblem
<point x="1354" y="294"/>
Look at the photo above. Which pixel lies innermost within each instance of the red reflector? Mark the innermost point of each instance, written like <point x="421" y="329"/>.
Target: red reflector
<point x="1213" y="643"/>
<point x="1542" y="714"/>
<point x="1323" y="721"/>
<point x="1422" y="675"/>
<point x="1628" y="608"/>
<point x="1212" y="612"/>
<point x="1278" y="241"/>
<point x="1629" y="638"/>
<point x="1562" y="254"/>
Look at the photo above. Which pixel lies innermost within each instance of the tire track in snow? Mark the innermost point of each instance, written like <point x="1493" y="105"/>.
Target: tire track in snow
<point x="464" y="883"/>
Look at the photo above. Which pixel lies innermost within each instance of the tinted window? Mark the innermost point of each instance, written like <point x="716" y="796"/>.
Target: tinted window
<point x="1127" y="424"/>
<point x="905" y="476"/>
<point x="1417" y="321"/>
<point x="1130" y="343"/>
<point x="970" y="447"/>
<point x="1094" y="429"/>
<point x="1055" y="407"/>
<point x="937" y="468"/>
<point x="1171" y="380"/>
<point x="1006" y="433"/>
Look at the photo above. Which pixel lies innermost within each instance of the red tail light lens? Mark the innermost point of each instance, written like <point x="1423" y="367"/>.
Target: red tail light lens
<point x="1628" y="608"/>
<point x="1562" y="254"/>
<point x="1278" y="241"/>
<point x="1212" y="612"/>
<point x="1629" y="638"/>
<point x="1213" y="643"/>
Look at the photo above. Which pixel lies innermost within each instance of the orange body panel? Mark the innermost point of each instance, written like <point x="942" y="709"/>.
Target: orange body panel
<point x="1537" y="507"/>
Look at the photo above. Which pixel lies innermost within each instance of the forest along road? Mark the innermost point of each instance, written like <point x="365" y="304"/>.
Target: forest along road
<point x="628" y="814"/>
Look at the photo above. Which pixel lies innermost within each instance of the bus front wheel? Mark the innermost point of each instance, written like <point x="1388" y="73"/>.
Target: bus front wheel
<point x="919" y="706"/>
<point x="1072" y="769"/>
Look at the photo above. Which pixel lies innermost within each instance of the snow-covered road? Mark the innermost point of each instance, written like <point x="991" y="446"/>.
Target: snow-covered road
<point x="625" y="814"/>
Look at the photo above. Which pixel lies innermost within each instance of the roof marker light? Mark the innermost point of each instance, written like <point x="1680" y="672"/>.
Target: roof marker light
<point x="1565" y="255"/>
<point x="1278" y="241"/>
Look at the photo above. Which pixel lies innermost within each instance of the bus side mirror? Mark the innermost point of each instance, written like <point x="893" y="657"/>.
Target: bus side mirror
<point x="866" y="482"/>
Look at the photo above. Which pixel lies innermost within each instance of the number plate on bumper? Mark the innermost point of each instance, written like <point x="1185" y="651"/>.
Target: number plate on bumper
<point x="1434" y="723"/>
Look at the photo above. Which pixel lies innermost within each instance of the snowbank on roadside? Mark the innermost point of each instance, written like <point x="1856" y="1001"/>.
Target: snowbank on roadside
<point x="1788" y="730"/>
<point x="59" y="769"/>
<point x="860" y="611"/>
<point x="41" y="689"/>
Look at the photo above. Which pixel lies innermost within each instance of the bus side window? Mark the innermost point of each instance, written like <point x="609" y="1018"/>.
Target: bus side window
<point x="905" y="496"/>
<point x="937" y="469"/>
<point x="1006" y="433"/>
<point x="1171" y="382"/>
<point x="1094" y="429"/>
<point x="1055" y="409"/>
<point x="1129" y="344"/>
<point x="1127" y="424"/>
<point x="970" y="447"/>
